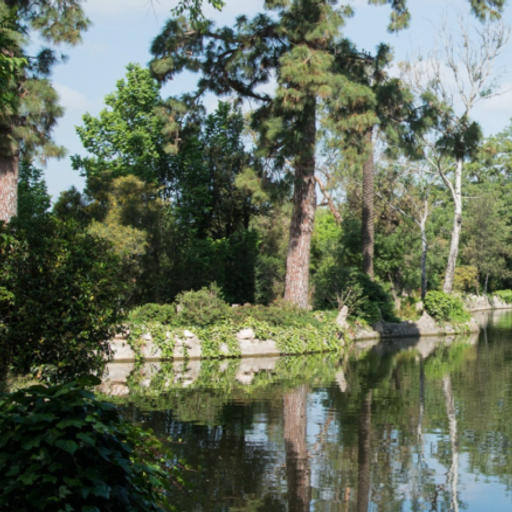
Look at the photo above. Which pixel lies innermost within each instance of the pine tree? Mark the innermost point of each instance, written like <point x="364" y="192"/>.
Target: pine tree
<point x="299" y="44"/>
<point x="28" y="102"/>
<point x="302" y="46"/>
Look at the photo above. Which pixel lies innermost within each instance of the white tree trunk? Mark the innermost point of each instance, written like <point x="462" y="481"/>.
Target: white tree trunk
<point x="424" y="249"/>
<point x="456" y="229"/>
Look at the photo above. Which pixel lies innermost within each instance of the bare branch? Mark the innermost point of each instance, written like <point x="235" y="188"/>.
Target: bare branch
<point x="330" y="202"/>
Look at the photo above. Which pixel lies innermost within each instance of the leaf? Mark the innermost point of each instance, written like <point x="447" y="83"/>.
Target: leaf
<point x="86" y="438"/>
<point x="71" y="422"/>
<point x="67" y="445"/>
<point x="101" y="489"/>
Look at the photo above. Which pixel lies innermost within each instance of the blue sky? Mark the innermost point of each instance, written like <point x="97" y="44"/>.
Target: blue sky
<point x="122" y="31"/>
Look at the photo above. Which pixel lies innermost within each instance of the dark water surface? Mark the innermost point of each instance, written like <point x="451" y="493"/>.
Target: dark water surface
<point x="424" y="428"/>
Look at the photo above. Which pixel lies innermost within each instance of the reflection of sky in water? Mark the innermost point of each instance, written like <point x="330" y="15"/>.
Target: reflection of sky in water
<point x="476" y="492"/>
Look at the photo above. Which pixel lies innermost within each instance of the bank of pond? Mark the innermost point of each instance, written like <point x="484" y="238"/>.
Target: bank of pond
<point x="204" y="327"/>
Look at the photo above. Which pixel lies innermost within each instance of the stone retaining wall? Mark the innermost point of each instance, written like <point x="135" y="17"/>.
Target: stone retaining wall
<point x="188" y="346"/>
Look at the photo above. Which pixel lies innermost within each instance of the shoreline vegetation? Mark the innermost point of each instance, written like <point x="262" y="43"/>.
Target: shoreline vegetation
<point x="207" y="328"/>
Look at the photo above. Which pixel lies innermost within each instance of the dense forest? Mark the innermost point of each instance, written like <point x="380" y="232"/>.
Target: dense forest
<point x="357" y="181"/>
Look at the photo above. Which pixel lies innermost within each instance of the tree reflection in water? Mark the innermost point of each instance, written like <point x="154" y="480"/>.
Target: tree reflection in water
<point x="411" y="430"/>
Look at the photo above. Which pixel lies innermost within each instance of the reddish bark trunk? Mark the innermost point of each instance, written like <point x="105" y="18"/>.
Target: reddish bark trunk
<point x="368" y="230"/>
<point x="8" y="187"/>
<point x="297" y="466"/>
<point x="303" y="216"/>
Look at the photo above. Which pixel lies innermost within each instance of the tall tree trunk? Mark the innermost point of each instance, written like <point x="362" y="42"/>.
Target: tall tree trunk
<point x="297" y="464"/>
<point x="9" y="169"/>
<point x="424" y="250"/>
<point x="304" y="204"/>
<point x="456" y="229"/>
<point x="368" y="230"/>
<point x="364" y="453"/>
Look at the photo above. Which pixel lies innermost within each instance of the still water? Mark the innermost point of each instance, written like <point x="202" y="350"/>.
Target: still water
<point x="420" y="425"/>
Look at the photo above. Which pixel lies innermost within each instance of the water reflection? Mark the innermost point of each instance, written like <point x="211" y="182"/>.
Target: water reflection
<point x="424" y="428"/>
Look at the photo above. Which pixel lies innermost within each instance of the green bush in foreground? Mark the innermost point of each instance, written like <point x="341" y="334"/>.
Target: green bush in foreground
<point x="504" y="295"/>
<point x="63" y="450"/>
<point x="445" y="308"/>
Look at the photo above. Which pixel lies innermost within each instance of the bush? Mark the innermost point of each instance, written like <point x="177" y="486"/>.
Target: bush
<point x="365" y="298"/>
<point x="281" y="313"/>
<point x="61" y="449"/>
<point x="465" y="278"/>
<point x="445" y="308"/>
<point x="162" y="313"/>
<point x="202" y="307"/>
<point x="60" y="299"/>
<point x="504" y="295"/>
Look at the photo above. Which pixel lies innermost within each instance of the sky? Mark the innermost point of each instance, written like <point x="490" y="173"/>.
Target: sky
<point x="122" y="32"/>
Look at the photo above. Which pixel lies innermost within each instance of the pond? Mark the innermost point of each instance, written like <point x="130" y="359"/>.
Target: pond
<point x="411" y="425"/>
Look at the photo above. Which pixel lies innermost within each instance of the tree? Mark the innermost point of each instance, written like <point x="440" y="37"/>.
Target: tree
<point x="61" y="299"/>
<point x="300" y="44"/>
<point x="303" y="48"/>
<point x="29" y="104"/>
<point x="469" y="65"/>
<point x="487" y="241"/>
<point x="194" y="7"/>
<point x="134" y="135"/>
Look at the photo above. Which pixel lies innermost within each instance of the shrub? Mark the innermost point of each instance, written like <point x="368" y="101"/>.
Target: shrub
<point x="504" y="295"/>
<point x="61" y="449"/>
<point x="365" y="298"/>
<point x="465" y="278"/>
<point x="201" y="307"/>
<point x="60" y="300"/>
<point x="162" y="313"/>
<point x="279" y="313"/>
<point x="445" y="308"/>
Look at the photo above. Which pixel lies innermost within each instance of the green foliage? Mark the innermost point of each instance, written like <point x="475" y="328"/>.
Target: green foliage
<point x="33" y="198"/>
<point x="365" y="298"/>
<point x="445" y="308"/>
<point x="216" y="325"/>
<point x="504" y="295"/>
<point x="162" y="313"/>
<point x="465" y="278"/>
<point x="202" y="307"/>
<point x="131" y="136"/>
<point x="214" y="336"/>
<point x="61" y="298"/>
<point x="28" y="102"/>
<point x="486" y="235"/>
<point x="194" y="7"/>
<point x="61" y="449"/>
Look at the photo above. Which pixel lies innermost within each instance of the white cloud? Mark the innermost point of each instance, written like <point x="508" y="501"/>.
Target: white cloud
<point x="72" y="99"/>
